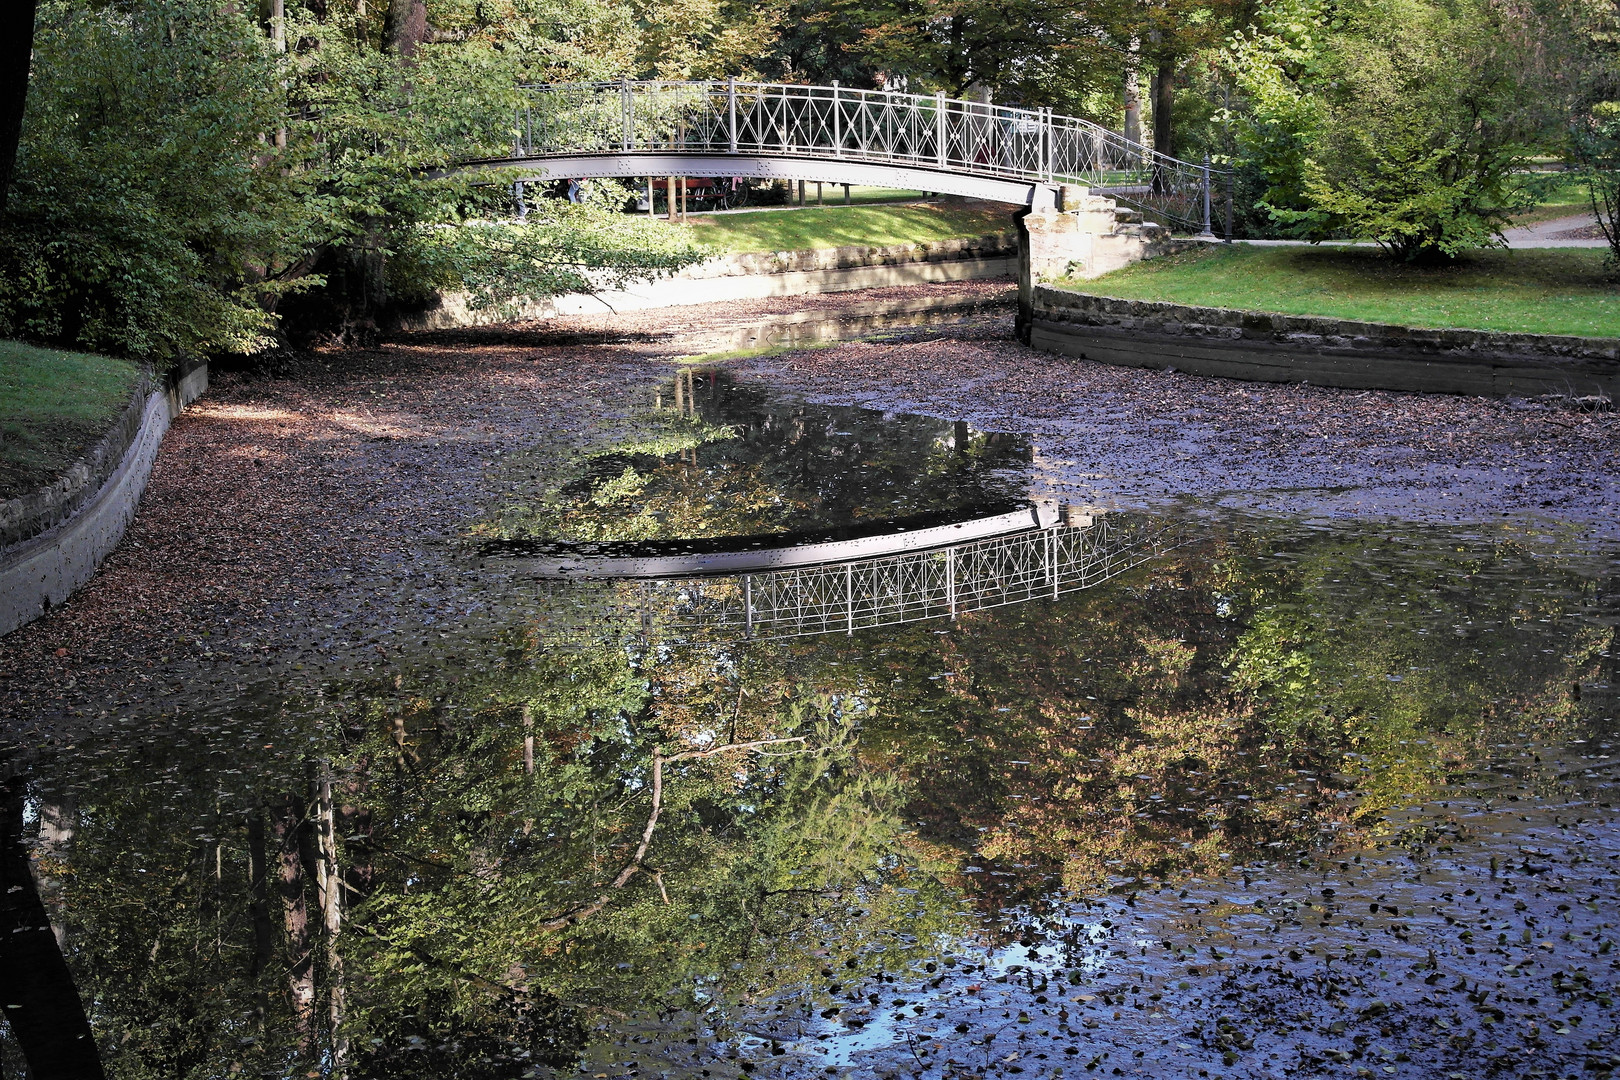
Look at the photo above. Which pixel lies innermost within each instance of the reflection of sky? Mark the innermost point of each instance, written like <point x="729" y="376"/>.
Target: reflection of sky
<point x="747" y="462"/>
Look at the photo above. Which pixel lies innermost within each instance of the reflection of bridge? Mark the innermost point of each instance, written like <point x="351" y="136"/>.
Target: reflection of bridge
<point x="737" y="555"/>
<point x="842" y="135"/>
<point x="842" y="597"/>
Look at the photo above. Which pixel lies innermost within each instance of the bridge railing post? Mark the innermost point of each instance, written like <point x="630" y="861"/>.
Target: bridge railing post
<point x="838" y="123"/>
<point x="1046" y="144"/>
<point x="940" y="128"/>
<point x="627" y="113"/>
<point x="1204" y="182"/>
<point x="748" y="605"/>
<point x="731" y="111"/>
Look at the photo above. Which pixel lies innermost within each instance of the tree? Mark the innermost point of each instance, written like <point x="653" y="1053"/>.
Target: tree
<point x="185" y="185"/>
<point x="1022" y="52"/>
<point x="1166" y="35"/>
<point x="1407" y="121"/>
<point x="16" y="61"/>
<point x="1594" y="142"/>
<point x="125" y="228"/>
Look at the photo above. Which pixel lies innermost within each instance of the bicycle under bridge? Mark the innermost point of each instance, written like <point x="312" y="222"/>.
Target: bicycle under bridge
<point x="841" y="135"/>
<point x="843" y="586"/>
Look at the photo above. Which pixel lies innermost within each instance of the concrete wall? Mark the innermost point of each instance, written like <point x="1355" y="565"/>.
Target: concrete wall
<point x="756" y="276"/>
<point x="60" y="556"/>
<point x="847" y="322"/>
<point x="1083" y="236"/>
<point x="1262" y="347"/>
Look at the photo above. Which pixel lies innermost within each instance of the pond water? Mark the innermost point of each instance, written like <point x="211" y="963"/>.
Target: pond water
<point x="1248" y="798"/>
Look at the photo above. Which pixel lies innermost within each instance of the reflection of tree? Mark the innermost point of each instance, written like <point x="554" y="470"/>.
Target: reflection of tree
<point x="506" y="868"/>
<point x="42" y="1006"/>
<point x="731" y="459"/>
<point x="467" y="874"/>
<point x="1220" y="708"/>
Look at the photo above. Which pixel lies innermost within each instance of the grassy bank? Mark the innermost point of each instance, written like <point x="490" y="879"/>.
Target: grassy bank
<point x="1550" y="291"/>
<point x="53" y="407"/>
<point x="837" y="226"/>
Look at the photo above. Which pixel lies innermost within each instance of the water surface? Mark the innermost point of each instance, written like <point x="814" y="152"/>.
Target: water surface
<point x="1277" y="800"/>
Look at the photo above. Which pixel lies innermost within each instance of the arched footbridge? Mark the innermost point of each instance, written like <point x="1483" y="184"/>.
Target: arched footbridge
<point x="844" y="136"/>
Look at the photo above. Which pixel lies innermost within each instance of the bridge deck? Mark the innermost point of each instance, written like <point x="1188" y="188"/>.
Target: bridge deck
<point x="842" y="135"/>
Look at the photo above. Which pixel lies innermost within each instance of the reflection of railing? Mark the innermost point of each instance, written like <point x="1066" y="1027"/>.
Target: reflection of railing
<point x="871" y="126"/>
<point x="844" y="597"/>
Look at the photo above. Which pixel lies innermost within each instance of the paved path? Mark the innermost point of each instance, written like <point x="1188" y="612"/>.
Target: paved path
<point x="1548" y="234"/>
<point x="1555" y="233"/>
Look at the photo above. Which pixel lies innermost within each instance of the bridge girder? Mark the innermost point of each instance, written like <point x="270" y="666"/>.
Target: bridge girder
<point x="547" y="167"/>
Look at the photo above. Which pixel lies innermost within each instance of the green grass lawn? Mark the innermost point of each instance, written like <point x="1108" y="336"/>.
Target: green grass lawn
<point x="1547" y="291"/>
<point x="837" y="226"/>
<point x="53" y="407"/>
<point x="833" y="194"/>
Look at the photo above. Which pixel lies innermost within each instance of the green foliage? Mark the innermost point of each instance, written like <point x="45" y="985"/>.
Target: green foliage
<point x="1596" y="148"/>
<point x="1271" y="64"/>
<point x="1400" y="121"/>
<point x="181" y="180"/>
<point x="561" y="247"/>
<point x="139" y="207"/>
<point x="703" y="39"/>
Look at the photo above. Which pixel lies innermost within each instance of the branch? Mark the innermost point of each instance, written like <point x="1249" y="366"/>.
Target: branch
<point x="634" y="866"/>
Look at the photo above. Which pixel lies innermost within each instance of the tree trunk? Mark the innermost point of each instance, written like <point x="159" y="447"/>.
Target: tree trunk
<point x="528" y="739"/>
<point x="1133" y="103"/>
<point x="1164" y="97"/>
<point x="259" y="895"/>
<point x="405" y="27"/>
<point x="278" y="40"/>
<point x="287" y="821"/>
<point x="16" y="57"/>
<point x="55" y="834"/>
<point x="41" y="1003"/>
<point x="331" y="897"/>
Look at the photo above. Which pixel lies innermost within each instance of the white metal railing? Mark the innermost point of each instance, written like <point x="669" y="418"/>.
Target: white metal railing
<point x="843" y="597"/>
<point x="870" y="126"/>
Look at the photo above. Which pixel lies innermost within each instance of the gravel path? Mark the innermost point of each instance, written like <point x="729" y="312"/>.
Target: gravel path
<point x="301" y="512"/>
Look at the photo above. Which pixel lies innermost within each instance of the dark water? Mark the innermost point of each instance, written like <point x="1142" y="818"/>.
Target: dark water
<point x="1282" y="800"/>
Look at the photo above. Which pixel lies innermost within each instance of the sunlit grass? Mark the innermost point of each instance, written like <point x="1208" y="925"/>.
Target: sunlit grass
<point x="53" y="406"/>
<point x="839" y="226"/>
<point x="1546" y="291"/>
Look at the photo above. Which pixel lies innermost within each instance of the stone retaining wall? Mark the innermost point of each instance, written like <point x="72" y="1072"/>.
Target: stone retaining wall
<point x="757" y="275"/>
<point x="847" y="322"/>
<point x="1263" y="347"/>
<point x="32" y="513"/>
<point x="65" y="530"/>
